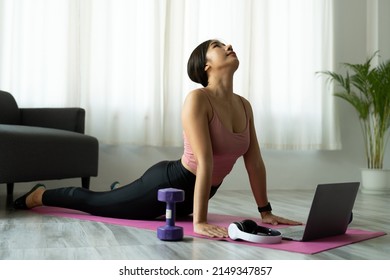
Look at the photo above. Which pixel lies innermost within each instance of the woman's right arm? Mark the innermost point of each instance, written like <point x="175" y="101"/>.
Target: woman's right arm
<point x="195" y="118"/>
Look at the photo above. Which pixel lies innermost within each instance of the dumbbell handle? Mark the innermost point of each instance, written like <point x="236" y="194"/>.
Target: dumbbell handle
<point x="170" y="214"/>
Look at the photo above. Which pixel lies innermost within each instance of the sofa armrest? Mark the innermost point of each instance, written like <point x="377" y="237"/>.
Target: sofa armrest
<point x="71" y="119"/>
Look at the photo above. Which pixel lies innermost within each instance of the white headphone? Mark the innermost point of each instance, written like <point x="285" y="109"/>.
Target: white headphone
<point x="248" y="230"/>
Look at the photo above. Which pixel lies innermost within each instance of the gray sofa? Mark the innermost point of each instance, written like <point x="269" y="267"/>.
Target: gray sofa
<point x="39" y="144"/>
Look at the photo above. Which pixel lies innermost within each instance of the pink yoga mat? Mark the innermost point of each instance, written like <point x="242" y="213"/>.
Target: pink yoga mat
<point x="311" y="247"/>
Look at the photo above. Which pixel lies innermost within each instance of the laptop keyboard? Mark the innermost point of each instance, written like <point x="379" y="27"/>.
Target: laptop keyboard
<point x="293" y="232"/>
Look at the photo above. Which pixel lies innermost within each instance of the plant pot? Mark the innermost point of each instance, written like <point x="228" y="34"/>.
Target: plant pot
<point x="375" y="181"/>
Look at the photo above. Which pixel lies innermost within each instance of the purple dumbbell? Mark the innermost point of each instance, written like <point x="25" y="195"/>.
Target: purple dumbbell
<point x="170" y="232"/>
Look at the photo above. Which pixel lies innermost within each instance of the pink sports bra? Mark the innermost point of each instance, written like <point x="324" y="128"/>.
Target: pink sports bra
<point x="227" y="147"/>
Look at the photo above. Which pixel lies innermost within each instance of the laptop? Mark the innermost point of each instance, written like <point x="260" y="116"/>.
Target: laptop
<point x="329" y="215"/>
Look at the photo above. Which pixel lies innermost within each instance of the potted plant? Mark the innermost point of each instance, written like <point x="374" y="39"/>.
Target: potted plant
<point x="367" y="89"/>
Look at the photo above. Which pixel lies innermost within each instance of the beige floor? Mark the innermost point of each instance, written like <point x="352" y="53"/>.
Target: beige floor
<point x="25" y="235"/>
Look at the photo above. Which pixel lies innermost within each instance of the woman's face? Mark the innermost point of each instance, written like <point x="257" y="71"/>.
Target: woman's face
<point x="220" y="55"/>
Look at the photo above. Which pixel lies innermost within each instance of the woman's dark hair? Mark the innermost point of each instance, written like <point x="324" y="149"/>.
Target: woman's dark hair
<point x="197" y="63"/>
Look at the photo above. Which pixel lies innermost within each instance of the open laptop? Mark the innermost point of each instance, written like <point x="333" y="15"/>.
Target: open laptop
<point x="329" y="215"/>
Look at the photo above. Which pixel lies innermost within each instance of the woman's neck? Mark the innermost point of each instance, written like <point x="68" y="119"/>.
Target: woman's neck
<point x="221" y="87"/>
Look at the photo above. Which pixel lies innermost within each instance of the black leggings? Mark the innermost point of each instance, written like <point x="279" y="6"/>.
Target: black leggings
<point x="137" y="200"/>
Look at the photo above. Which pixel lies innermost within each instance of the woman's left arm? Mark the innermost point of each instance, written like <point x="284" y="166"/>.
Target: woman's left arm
<point x="255" y="167"/>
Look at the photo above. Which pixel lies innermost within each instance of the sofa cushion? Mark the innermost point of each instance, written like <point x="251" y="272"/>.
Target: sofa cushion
<point x="35" y="153"/>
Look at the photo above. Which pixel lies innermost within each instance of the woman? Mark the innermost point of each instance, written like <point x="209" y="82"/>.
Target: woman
<point x="218" y="128"/>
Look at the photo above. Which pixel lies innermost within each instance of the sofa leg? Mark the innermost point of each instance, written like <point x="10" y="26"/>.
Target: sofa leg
<point x="10" y="189"/>
<point x="85" y="182"/>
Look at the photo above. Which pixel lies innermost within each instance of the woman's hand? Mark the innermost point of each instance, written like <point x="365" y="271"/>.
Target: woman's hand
<point x="210" y="230"/>
<point x="270" y="218"/>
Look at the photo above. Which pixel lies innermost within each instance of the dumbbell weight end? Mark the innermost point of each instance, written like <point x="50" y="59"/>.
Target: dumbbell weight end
<point x="170" y="233"/>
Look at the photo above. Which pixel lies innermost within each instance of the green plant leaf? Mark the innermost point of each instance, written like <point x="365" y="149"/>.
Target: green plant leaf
<point x="367" y="89"/>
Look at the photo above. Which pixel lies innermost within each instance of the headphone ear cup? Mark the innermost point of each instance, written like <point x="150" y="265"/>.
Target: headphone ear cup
<point x="249" y="226"/>
<point x="234" y="230"/>
<point x="237" y="230"/>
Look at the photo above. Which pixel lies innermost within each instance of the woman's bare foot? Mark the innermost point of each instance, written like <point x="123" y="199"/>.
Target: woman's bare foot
<point x="31" y="199"/>
<point x="34" y="199"/>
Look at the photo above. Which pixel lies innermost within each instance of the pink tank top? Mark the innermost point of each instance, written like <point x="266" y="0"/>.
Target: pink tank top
<point x="227" y="148"/>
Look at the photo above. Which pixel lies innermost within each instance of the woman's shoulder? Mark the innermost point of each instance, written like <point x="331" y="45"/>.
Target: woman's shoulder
<point x="198" y="92"/>
<point x="245" y="101"/>
<point x="242" y="98"/>
<point x="196" y="97"/>
<point x="196" y="100"/>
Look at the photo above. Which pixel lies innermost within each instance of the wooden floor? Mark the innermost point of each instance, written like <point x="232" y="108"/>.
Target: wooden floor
<point x="25" y="235"/>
